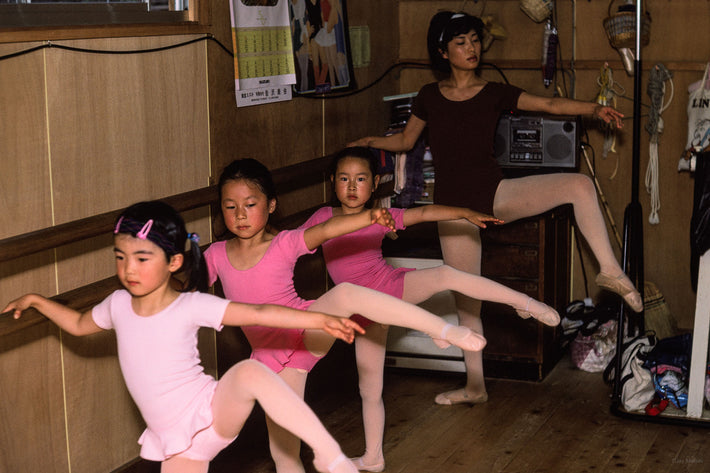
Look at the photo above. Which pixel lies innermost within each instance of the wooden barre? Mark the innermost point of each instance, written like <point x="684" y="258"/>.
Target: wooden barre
<point x="286" y="179"/>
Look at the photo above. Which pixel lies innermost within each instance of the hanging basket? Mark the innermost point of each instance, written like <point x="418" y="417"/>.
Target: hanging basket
<point x="621" y="28"/>
<point x="537" y="10"/>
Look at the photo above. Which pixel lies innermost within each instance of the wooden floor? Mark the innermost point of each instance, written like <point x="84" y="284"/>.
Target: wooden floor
<point x="560" y="425"/>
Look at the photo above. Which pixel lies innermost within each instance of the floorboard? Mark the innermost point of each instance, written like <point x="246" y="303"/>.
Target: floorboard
<point x="560" y="425"/>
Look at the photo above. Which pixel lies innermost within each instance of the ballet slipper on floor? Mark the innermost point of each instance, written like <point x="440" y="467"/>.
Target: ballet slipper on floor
<point x="539" y="311"/>
<point x="341" y="464"/>
<point x="375" y="467"/>
<point x="462" y="337"/>
<point x="622" y="286"/>
<point x="459" y="396"/>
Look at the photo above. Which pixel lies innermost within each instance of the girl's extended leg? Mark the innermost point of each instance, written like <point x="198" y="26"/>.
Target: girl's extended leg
<point x="547" y="191"/>
<point x="461" y="249"/>
<point x="370" y="357"/>
<point x="347" y="299"/>
<point x="420" y="285"/>
<point x="179" y="464"/>
<point x="284" y="446"/>
<point x="249" y="381"/>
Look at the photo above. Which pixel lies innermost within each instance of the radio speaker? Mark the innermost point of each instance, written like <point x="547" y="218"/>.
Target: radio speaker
<point x="537" y="141"/>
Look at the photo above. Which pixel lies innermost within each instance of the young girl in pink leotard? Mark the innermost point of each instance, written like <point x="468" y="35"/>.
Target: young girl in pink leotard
<point x="189" y="415"/>
<point x="257" y="266"/>
<point x="357" y="258"/>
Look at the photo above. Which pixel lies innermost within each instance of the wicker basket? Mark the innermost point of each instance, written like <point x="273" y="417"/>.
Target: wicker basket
<point x="538" y="10"/>
<point x="621" y="28"/>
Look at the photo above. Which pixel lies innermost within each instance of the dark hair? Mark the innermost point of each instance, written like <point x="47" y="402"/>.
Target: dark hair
<point x="358" y="152"/>
<point x="250" y="170"/>
<point x="443" y="27"/>
<point x="161" y="224"/>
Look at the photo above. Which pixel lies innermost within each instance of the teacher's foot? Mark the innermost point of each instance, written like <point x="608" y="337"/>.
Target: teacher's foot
<point x="460" y="396"/>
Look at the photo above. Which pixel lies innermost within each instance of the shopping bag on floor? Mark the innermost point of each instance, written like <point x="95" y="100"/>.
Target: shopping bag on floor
<point x="592" y="352"/>
<point x="636" y="381"/>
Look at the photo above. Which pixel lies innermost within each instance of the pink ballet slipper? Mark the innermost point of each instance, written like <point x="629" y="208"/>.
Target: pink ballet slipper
<point x="341" y="464"/>
<point x="375" y="467"/>
<point x="459" y="396"/>
<point x="622" y="286"/>
<point x="547" y="315"/>
<point x="462" y="337"/>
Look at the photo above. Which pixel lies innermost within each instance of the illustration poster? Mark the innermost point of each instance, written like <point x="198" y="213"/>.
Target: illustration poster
<point x="321" y="46"/>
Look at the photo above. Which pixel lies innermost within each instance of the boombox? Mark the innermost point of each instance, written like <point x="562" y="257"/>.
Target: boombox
<point x="537" y="141"/>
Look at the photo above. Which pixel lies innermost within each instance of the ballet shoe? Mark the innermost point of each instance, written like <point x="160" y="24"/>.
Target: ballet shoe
<point x="375" y="467"/>
<point x="622" y="286"/>
<point x="462" y="337"/>
<point x="547" y="315"/>
<point x="459" y="396"/>
<point x="341" y="463"/>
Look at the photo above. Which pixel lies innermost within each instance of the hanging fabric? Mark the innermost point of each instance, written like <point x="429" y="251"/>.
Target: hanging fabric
<point x="608" y="91"/>
<point x="549" y="53"/>
<point x="699" y="116"/>
<point x="656" y="90"/>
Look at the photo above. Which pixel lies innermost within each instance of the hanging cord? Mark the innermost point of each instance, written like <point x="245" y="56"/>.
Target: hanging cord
<point x="654" y="126"/>
<point x="607" y="97"/>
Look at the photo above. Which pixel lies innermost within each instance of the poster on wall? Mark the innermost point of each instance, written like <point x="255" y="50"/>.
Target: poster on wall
<point x="321" y="46"/>
<point x="263" y="59"/>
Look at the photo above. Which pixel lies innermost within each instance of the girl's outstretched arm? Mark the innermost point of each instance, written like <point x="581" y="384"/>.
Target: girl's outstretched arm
<point x="343" y="224"/>
<point x="438" y="213"/>
<point x="69" y="320"/>
<point x="270" y="315"/>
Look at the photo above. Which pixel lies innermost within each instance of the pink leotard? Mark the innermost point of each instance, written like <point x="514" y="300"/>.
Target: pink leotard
<point x="270" y="281"/>
<point x="357" y="257"/>
<point x="161" y="366"/>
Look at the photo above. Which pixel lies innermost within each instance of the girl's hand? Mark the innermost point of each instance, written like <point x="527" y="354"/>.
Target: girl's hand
<point x="382" y="217"/>
<point x="342" y="328"/>
<point x="479" y="219"/>
<point x="609" y="114"/>
<point x="18" y="305"/>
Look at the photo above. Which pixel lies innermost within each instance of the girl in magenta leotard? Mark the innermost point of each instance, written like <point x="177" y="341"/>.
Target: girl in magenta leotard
<point x="357" y="258"/>
<point x="189" y="415"/>
<point x="256" y="266"/>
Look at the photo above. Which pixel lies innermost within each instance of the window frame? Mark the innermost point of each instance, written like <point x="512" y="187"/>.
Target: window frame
<point x="199" y="22"/>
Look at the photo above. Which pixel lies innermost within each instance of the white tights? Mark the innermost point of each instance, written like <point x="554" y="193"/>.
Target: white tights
<point x="248" y="382"/>
<point x="419" y="286"/>
<point x="516" y="199"/>
<point x="345" y="300"/>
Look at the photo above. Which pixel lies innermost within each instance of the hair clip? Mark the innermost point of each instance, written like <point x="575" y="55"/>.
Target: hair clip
<point x="194" y="237"/>
<point x="145" y="230"/>
<point x="118" y="225"/>
<point x="453" y="17"/>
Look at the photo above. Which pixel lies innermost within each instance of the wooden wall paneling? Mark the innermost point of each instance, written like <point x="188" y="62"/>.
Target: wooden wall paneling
<point x="32" y="433"/>
<point x="24" y="168"/>
<point x="123" y="128"/>
<point x="34" y="273"/>
<point x="103" y="424"/>
<point x="139" y="116"/>
<point x="355" y="116"/>
<point x="24" y="176"/>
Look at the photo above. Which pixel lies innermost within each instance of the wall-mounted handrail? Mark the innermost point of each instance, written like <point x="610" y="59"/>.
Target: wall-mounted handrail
<point x="286" y="178"/>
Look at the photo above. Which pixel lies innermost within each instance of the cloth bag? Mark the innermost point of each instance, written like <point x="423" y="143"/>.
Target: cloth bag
<point x="699" y="115"/>
<point x="636" y="381"/>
